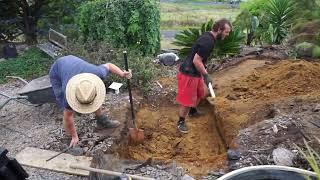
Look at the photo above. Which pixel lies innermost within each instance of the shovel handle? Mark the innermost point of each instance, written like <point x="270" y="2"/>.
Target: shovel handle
<point x="211" y="90"/>
<point x="113" y="173"/>
<point x="129" y="87"/>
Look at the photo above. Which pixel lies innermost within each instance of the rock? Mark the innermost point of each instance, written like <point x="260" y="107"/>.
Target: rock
<point x="168" y="59"/>
<point x="233" y="154"/>
<point x="85" y="149"/>
<point x="76" y="151"/>
<point x="90" y="143"/>
<point x="317" y="108"/>
<point x="275" y="129"/>
<point x="187" y="177"/>
<point x="143" y="170"/>
<point x="47" y="146"/>
<point x="241" y="89"/>
<point x="282" y="156"/>
<point x="232" y="97"/>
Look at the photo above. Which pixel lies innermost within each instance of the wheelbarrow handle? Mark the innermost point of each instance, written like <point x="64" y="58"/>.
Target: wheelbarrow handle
<point x="17" y="77"/>
<point x="5" y="102"/>
<point x="12" y="98"/>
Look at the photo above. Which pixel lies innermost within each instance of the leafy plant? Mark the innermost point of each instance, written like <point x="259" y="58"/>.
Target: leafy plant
<point x="31" y="64"/>
<point x="26" y="17"/>
<point x="187" y="37"/>
<point x="248" y="23"/>
<point x="280" y="14"/>
<point x="255" y="7"/>
<point x="312" y="157"/>
<point x="131" y="24"/>
<point x="229" y="46"/>
<point x="143" y="68"/>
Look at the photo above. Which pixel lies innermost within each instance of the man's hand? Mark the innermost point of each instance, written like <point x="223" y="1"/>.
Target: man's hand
<point x="207" y="79"/>
<point x="127" y="74"/>
<point x="74" y="141"/>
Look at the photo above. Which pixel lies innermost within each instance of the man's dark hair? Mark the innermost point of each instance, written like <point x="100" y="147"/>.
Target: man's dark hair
<point x="220" y="25"/>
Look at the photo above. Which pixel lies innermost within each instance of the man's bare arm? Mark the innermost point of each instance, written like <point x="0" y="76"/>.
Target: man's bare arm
<point x="197" y="61"/>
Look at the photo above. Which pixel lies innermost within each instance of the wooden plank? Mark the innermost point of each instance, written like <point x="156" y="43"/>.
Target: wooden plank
<point x="58" y="38"/>
<point x="35" y="157"/>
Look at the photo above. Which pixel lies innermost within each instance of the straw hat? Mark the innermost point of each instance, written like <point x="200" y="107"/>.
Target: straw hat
<point x="85" y="93"/>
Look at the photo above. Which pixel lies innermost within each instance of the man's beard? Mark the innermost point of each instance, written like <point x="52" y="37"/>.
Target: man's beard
<point x="219" y="36"/>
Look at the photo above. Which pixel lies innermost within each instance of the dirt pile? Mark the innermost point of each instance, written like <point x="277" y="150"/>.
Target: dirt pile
<point x="246" y="98"/>
<point x="280" y="80"/>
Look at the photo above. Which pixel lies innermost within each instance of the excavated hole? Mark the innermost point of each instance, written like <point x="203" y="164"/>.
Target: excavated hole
<point x="200" y="151"/>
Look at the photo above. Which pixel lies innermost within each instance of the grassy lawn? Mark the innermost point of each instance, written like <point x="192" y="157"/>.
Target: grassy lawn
<point x="185" y="14"/>
<point x="31" y="64"/>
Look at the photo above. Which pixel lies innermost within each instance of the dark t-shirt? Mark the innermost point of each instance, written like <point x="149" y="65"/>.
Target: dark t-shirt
<point x="203" y="47"/>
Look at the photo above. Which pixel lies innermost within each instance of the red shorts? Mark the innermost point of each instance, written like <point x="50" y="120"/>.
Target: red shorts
<point x="190" y="90"/>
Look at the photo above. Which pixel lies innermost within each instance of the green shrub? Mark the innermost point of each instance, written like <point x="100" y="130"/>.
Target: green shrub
<point x="280" y="14"/>
<point x="229" y="46"/>
<point x="31" y="64"/>
<point x="304" y="49"/>
<point x="255" y="7"/>
<point x="248" y="23"/>
<point x="316" y="52"/>
<point x="143" y="68"/>
<point x="131" y="24"/>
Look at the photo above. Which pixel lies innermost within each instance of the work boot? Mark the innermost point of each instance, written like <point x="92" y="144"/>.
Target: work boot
<point x="182" y="127"/>
<point x="104" y="122"/>
<point x="195" y="113"/>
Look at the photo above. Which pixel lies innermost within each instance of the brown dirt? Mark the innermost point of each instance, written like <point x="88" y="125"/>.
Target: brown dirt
<point x="245" y="95"/>
<point x="200" y="151"/>
<point x="248" y="99"/>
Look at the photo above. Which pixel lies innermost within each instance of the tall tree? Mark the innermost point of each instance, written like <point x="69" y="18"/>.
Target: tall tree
<point x="22" y="16"/>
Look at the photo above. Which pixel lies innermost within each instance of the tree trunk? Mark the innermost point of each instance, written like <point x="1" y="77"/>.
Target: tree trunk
<point x="30" y="32"/>
<point x="30" y="16"/>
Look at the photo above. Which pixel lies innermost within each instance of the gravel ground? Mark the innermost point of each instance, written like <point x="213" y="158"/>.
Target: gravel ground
<point x="22" y="126"/>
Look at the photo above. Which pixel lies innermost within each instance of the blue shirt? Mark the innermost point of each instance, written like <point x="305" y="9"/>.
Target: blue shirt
<point x="65" y="68"/>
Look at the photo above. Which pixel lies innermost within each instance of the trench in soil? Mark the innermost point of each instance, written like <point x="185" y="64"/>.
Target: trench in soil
<point x="201" y="150"/>
<point x="244" y="96"/>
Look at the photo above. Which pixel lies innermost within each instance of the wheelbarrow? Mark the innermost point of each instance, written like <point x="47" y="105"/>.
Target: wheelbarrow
<point x="35" y="92"/>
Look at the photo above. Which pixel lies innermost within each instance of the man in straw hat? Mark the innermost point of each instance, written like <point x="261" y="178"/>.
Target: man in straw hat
<point x="78" y="86"/>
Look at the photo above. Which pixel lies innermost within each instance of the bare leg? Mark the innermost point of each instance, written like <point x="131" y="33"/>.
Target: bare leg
<point x="183" y="111"/>
<point x="98" y="112"/>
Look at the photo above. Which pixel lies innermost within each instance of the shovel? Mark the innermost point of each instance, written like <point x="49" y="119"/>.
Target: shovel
<point x="135" y="135"/>
<point x="213" y="96"/>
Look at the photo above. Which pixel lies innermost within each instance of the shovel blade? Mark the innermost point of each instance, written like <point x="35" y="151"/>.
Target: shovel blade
<point x="136" y="135"/>
<point x="211" y="100"/>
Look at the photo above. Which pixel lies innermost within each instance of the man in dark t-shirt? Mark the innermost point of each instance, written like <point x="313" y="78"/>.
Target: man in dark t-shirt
<point x="193" y="74"/>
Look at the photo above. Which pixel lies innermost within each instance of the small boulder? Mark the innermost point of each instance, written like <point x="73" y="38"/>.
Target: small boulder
<point x="233" y="154"/>
<point x="283" y="157"/>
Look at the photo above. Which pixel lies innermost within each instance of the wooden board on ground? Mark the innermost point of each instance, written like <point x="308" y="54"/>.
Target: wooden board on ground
<point x="35" y="157"/>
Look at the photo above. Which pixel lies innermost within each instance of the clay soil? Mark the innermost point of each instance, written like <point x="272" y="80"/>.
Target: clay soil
<point x="245" y="94"/>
